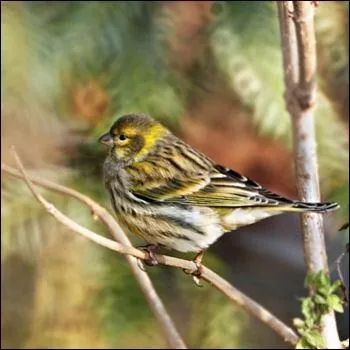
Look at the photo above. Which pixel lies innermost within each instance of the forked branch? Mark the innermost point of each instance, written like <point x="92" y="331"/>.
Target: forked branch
<point x="218" y="282"/>
<point x="156" y="305"/>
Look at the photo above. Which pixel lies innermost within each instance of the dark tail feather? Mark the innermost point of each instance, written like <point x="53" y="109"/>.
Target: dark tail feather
<point x="315" y="207"/>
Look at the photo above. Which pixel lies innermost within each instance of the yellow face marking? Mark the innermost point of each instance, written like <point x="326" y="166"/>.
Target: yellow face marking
<point x="150" y="137"/>
<point x="135" y="136"/>
<point x="122" y="143"/>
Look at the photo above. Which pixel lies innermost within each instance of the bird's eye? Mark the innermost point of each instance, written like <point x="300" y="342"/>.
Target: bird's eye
<point x="122" y="137"/>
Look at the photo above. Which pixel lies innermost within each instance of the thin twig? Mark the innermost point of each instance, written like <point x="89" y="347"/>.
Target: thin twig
<point x="299" y="61"/>
<point x="218" y="282"/>
<point x="155" y="303"/>
<point x="170" y="332"/>
<point x="337" y="263"/>
<point x="341" y="278"/>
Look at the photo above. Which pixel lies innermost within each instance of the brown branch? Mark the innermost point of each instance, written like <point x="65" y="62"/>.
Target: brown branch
<point x="299" y="61"/>
<point x="154" y="301"/>
<point x="218" y="282"/>
<point x="171" y="335"/>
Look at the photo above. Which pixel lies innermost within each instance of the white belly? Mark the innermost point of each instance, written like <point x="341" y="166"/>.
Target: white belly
<point x="242" y="217"/>
<point x="204" y="218"/>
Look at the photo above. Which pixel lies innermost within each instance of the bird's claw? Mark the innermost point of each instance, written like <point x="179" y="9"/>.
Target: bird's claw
<point x="152" y="260"/>
<point x="196" y="281"/>
<point x="140" y="265"/>
<point x="197" y="273"/>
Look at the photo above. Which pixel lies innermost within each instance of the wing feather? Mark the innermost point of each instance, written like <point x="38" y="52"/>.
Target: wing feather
<point x="220" y="187"/>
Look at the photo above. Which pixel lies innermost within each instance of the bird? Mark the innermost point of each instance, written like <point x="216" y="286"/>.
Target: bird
<point x="173" y="196"/>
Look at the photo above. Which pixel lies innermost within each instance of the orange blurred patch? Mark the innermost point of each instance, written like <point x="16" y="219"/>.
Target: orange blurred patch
<point x="89" y="102"/>
<point x="188" y="20"/>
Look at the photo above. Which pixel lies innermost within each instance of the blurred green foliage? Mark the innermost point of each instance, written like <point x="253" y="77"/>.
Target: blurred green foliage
<point x="323" y="299"/>
<point x="68" y="69"/>
<point x="246" y="43"/>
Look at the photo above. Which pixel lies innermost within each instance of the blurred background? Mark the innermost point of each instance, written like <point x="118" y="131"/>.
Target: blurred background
<point x="212" y="72"/>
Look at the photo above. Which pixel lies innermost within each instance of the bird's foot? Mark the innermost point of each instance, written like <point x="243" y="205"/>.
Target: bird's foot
<point x="196" y="274"/>
<point x="152" y="260"/>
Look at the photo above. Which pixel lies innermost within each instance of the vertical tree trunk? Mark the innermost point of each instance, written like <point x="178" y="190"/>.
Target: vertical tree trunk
<point x="299" y="61"/>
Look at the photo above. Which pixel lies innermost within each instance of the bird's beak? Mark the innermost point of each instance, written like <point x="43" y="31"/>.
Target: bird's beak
<point x="106" y="139"/>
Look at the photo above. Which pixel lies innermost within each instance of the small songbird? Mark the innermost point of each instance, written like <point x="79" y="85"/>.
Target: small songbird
<point x="171" y="195"/>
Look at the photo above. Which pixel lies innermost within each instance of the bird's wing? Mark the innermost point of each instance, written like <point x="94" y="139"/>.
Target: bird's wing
<point x="228" y="188"/>
<point x="222" y="187"/>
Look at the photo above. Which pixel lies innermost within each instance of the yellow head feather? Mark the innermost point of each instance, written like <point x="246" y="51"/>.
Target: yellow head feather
<point x="150" y="135"/>
<point x="141" y="133"/>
